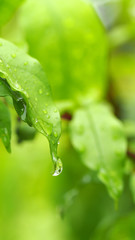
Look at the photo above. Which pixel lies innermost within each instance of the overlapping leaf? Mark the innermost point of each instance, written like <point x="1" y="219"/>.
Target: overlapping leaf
<point x="99" y="137"/>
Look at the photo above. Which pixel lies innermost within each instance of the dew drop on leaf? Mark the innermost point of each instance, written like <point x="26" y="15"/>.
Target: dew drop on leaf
<point x="55" y="110"/>
<point x="40" y="91"/>
<point x="45" y="111"/>
<point x="55" y="134"/>
<point x="13" y="55"/>
<point x="7" y="66"/>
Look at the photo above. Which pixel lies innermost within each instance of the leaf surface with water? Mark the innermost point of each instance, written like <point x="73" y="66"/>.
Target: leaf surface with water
<point x="26" y="82"/>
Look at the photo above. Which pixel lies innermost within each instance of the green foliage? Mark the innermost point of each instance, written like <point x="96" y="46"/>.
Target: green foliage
<point x="25" y="79"/>
<point x="24" y="132"/>
<point x="86" y="49"/>
<point x="67" y="44"/>
<point x="5" y="126"/>
<point x="100" y="139"/>
<point x="7" y="9"/>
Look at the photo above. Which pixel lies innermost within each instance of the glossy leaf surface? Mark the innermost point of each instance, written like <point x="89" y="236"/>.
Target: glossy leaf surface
<point x="25" y="79"/>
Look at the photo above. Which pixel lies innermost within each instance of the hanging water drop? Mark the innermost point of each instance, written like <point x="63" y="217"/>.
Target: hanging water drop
<point x="58" y="167"/>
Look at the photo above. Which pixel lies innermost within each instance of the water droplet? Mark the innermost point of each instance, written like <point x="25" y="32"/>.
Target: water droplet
<point x="58" y="167"/>
<point x="40" y="91"/>
<point x="7" y="66"/>
<point x="26" y="63"/>
<point x="55" y="110"/>
<point x="45" y="111"/>
<point x="6" y="131"/>
<point x="55" y="134"/>
<point x="13" y="55"/>
<point x="23" y="116"/>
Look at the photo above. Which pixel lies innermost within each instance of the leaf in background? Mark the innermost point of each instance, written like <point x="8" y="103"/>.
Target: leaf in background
<point x="25" y="132"/>
<point x="132" y="185"/>
<point x="30" y="90"/>
<point x="7" y="8"/>
<point x="69" y="40"/>
<point x="108" y="11"/>
<point x="5" y="126"/>
<point x="122" y="70"/>
<point x="99" y="137"/>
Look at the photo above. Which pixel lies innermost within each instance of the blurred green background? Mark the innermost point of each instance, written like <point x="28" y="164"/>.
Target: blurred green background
<point x="87" y="48"/>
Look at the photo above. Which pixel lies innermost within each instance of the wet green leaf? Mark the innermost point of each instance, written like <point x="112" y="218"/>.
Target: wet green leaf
<point x="5" y="126"/>
<point x="99" y="137"/>
<point x="25" y="79"/>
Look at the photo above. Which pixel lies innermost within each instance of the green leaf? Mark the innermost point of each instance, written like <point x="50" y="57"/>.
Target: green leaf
<point x="30" y="90"/>
<point x="25" y="132"/>
<point x="66" y="41"/>
<point x="132" y="185"/>
<point x="122" y="70"/>
<point x="5" y="126"/>
<point x="99" y="137"/>
<point x="7" y="8"/>
<point x="3" y="89"/>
